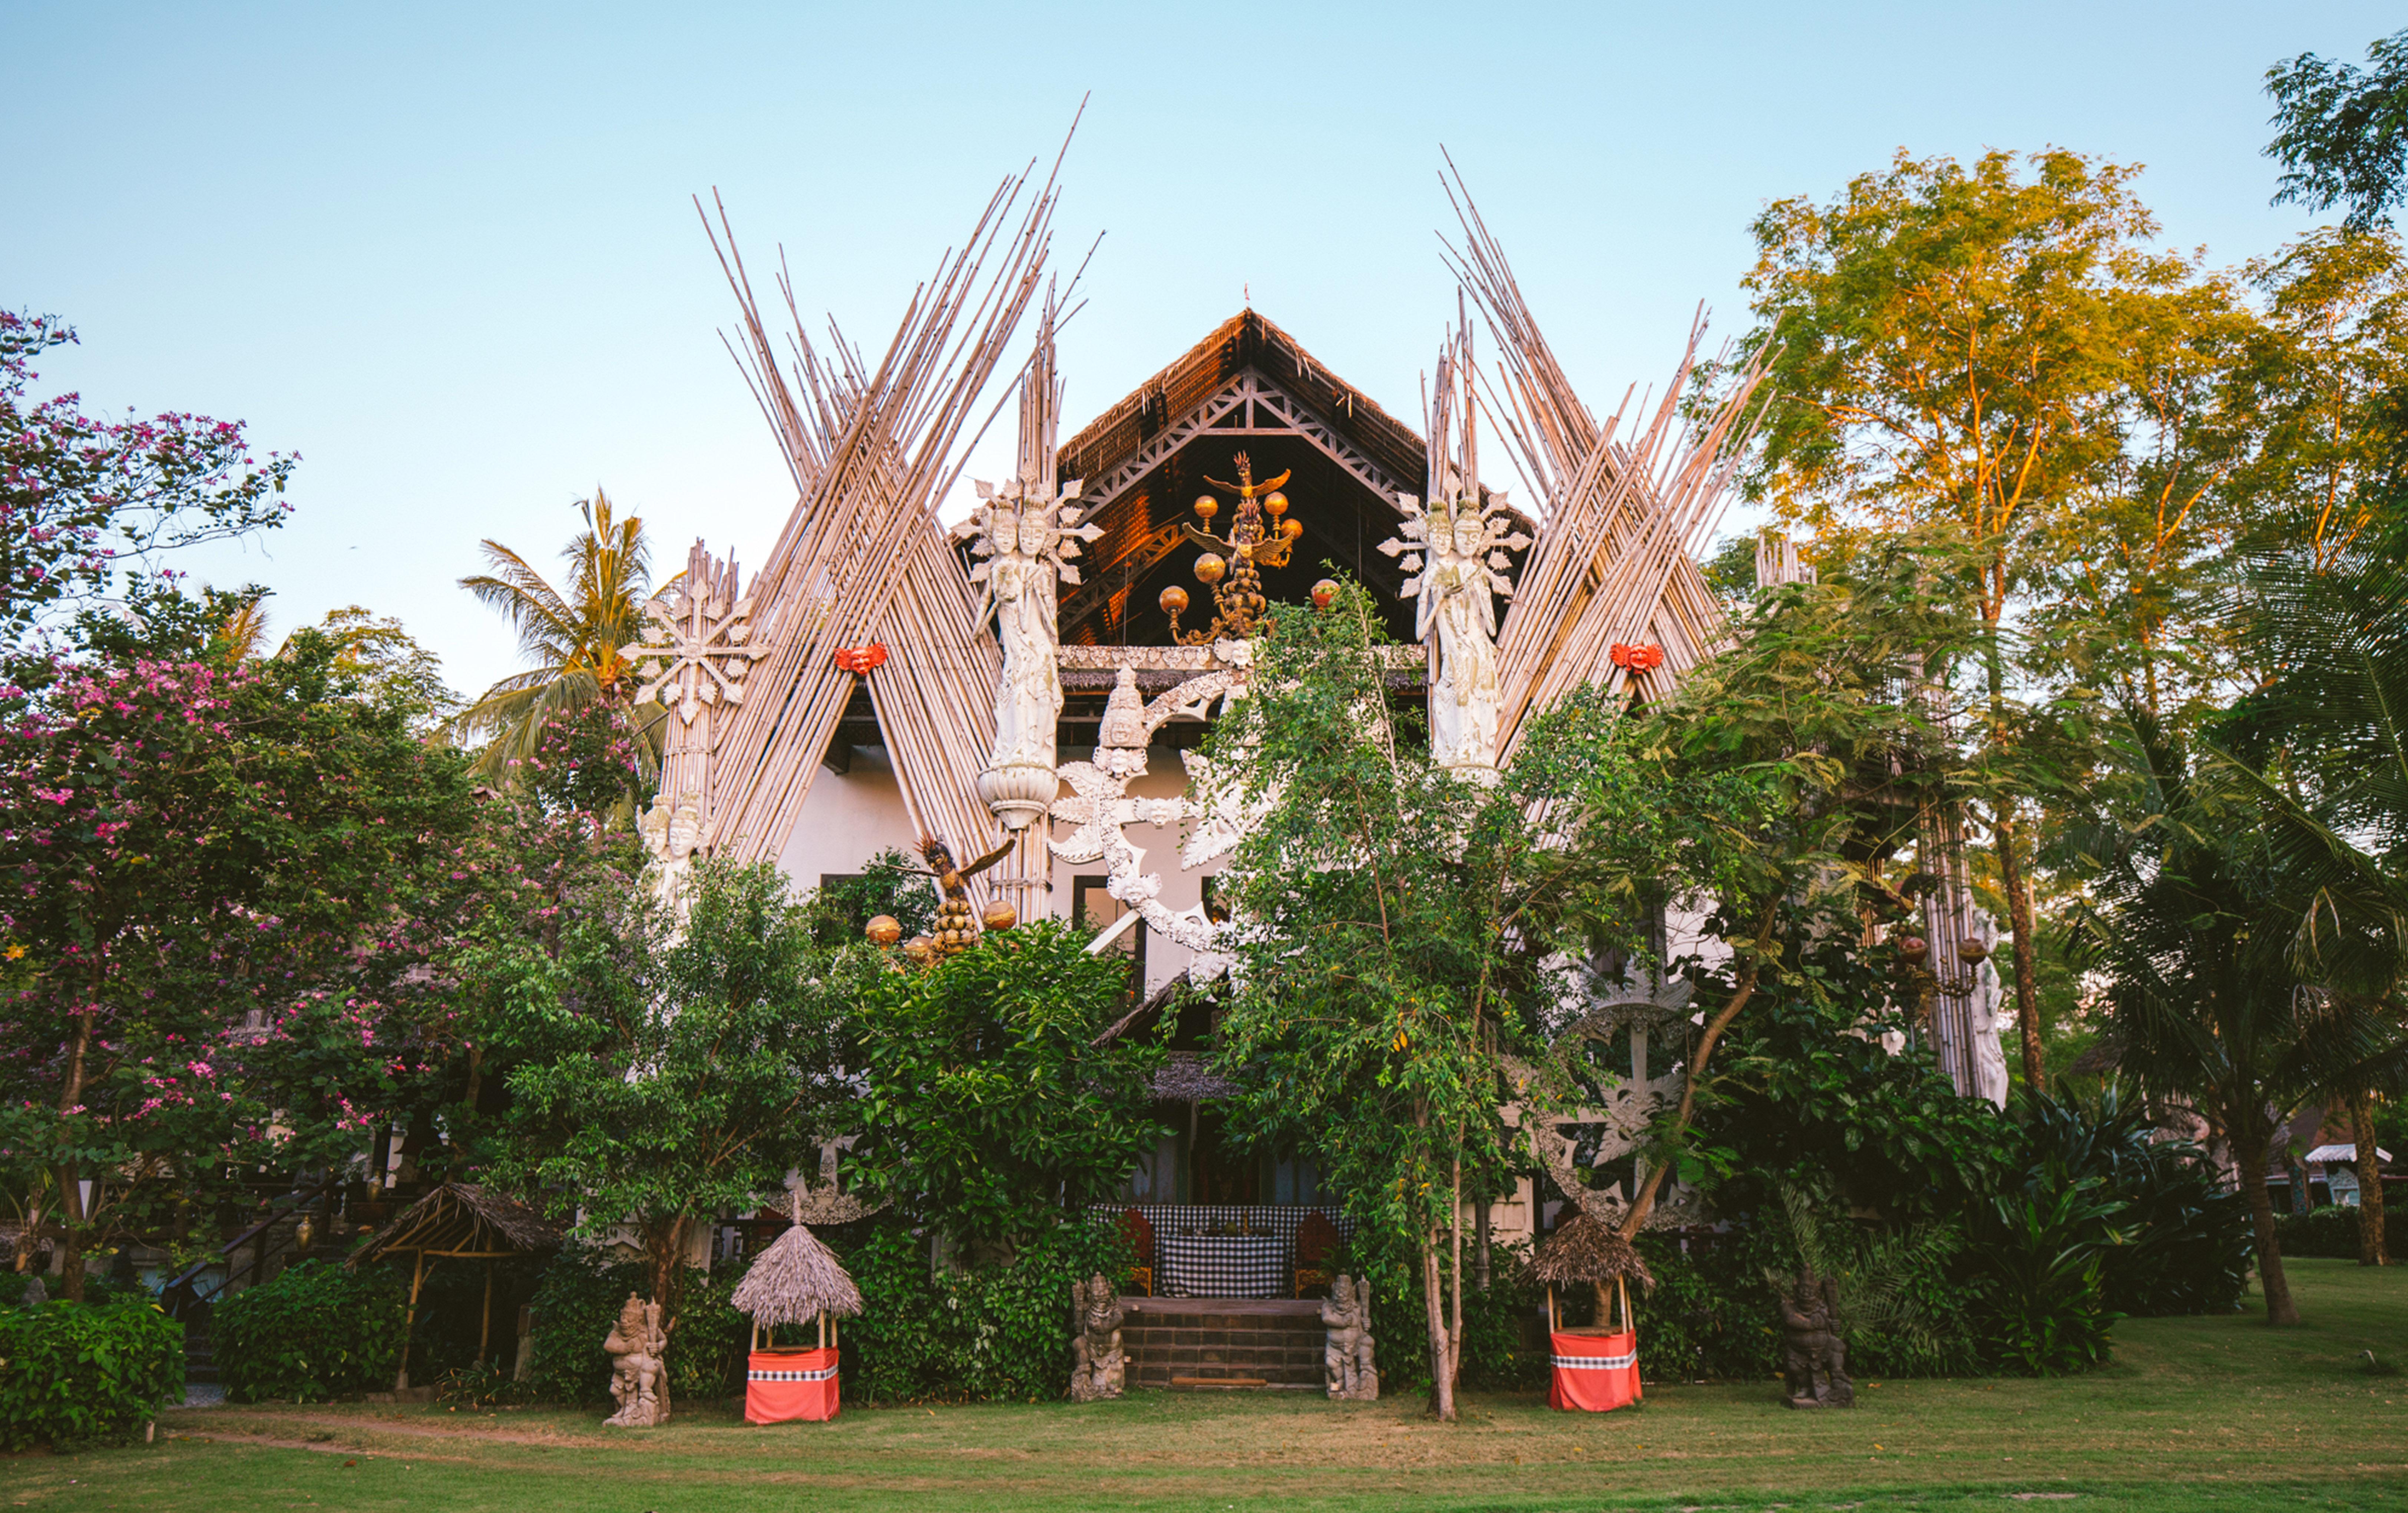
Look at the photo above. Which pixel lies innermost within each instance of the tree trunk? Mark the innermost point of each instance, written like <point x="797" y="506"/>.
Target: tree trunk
<point x="1441" y="1347"/>
<point x="2373" y="1250"/>
<point x="1454" y="1233"/>
<point x="666" y="1255"/>
<point x="71" y="1204"/>
<point x="2249" y="1152"/>
<point x="2019" y="919"/>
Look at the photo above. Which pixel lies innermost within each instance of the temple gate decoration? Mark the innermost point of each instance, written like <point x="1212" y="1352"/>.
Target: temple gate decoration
<point x="699" y="641"/>
<point x="1025" y="532"/>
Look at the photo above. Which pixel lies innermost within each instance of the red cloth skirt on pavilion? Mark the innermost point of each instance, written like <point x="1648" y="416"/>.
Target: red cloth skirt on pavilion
<point x="784" y="1385"/>
<point x="1595" y="1372"/>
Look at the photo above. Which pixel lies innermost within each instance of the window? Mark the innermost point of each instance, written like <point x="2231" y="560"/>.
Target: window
<point x="1092" y="907"/>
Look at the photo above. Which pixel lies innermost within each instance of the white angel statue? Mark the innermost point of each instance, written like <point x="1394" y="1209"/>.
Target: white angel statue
<point x="1454" y="560"/>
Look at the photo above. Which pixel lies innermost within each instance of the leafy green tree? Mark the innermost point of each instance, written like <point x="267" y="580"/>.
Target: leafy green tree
<point x="1959" y="346"/>
<point x="2342" y="134"/>
<point x="663" y="1069"/>
<point x="989" y="1109"/>
<point x="1404" y="929"/>
<point x="575" y="636"/>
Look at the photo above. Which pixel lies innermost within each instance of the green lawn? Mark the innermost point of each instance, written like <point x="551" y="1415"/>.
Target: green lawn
<point x="2197" y="1412"/>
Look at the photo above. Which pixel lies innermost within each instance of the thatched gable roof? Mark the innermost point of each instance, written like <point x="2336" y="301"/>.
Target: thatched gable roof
<point x="794" y="1282"/>
<point x="1584" y="1249"/>
<point x="459" y="1219"/>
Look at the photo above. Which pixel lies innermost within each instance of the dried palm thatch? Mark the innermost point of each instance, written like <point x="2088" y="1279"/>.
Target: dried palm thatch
<point x="795" y="1282"/>
<point x="1586" y="1251"/>
<point x="462" y="1220"/>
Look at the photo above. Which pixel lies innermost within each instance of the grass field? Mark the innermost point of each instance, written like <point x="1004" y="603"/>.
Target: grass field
<point x="2195" y="1413"/>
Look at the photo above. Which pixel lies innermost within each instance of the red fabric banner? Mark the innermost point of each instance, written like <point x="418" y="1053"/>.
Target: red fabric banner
<point x="784" y="1385"/>
<point x="1595" y="1372"/>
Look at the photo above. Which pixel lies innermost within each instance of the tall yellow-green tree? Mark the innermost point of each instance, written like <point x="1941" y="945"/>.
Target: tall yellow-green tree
<point x="1962" y="346"/>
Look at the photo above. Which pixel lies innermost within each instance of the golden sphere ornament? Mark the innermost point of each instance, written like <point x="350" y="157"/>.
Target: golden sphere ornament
<point x="1209" y="568"/>
<point x="1275" y="503"/>
<point x="1325" y="593"/>
<point x="1173" y="600"/>
<point x="999" y="915"/>
<point x="1207" y="505"/>
<point x="1291" y="529"/>
<point x="885" y="928"/>
<point x="918" y="948"/>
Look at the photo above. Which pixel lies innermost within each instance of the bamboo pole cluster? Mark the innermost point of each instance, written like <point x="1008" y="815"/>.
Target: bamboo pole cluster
<point x="1615" y="559"/>
<point x="872" y="451"/>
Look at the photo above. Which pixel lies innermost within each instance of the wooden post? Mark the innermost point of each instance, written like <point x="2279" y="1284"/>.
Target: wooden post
<point x="1551" y="1307"/>
<point x="823" y="1329"/>
<point x="410" y="1321"/>
<point x="485" y="1327"/>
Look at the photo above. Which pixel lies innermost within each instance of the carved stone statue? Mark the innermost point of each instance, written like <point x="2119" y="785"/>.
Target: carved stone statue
<point x="1814" y="1353"/>
<point x="1454" y="565"/>
<point x="638" y="1379"/>
<point x="1346" y="1354"/>
<point x="1025" y="535"/>
<point x="1099" y="1367"/>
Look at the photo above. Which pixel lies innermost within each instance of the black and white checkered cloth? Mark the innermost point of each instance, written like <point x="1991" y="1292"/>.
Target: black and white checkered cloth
<point x="1222" y="1266"/>
<point x="821" y="1375"/>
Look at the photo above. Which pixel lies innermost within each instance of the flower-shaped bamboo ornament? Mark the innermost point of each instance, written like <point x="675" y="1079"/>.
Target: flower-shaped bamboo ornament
<point x="696" y="649"/>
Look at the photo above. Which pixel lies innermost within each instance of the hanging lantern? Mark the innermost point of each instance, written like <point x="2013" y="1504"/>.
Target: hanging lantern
<point x="861" y="660"/>
<point x="1636" y="658"/>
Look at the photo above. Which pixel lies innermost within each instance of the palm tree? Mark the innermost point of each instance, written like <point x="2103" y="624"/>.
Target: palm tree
<point x="2332" y="726"/>
<point x="573" y="636"/>
<point x="2206" y="1004"/>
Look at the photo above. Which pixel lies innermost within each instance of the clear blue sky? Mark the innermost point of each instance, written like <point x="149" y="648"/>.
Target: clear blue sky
<point x="448" y="253"/>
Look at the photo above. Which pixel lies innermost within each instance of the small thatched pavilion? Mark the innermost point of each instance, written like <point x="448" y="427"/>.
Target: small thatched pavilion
<point x="795" y="1282"/>
<point x="457" y="1221"/>
<point x="1586" y="1250"/>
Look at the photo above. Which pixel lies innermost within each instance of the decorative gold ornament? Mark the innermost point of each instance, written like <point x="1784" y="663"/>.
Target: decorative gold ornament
<point x="1325" y="593"/>
<point x="885" y="928"/>
<point x="1256" y="540"/>
<point x="999" y="915"/>
<point x="919" y="947"/>
<point x="1173" y="601"/>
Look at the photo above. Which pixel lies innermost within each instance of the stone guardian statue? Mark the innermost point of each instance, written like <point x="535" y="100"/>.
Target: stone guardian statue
<point x="639" y="1380"/>
<point x="1098" y="1366"/>
<point x="1814" y="1353"/>
<point x="1346" y="1352"/>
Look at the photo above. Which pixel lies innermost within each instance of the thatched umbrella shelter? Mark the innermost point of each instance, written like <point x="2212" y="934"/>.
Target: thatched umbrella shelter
<point x="795" y="1280"/>
<point x="1586" y="1250"/>
<point x="457" y="1221"/>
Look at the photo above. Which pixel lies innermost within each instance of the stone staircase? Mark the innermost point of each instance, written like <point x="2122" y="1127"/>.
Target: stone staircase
<point x="1223" y="1344"/>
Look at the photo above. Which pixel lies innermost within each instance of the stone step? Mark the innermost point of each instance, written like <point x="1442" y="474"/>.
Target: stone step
<point x="1212" y="1350"/>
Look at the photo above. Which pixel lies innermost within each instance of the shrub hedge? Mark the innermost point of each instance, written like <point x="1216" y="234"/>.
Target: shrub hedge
<point x="316" y="1330"/>
<point x="2333" y="1232"/>
<point x="80" y="1373"/>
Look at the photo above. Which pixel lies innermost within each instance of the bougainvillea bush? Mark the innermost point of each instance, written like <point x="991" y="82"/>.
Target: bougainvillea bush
<point x="224" y="885"/>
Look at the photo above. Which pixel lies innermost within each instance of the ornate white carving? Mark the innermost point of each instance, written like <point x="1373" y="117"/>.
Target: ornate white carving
<point x="1454" y="558"/>
<point x="1100" y="809"/>
<point x="1024" y="533"/>
<point x="697" y="649"/>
